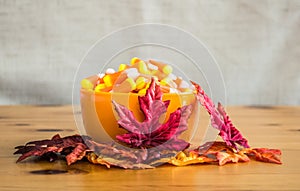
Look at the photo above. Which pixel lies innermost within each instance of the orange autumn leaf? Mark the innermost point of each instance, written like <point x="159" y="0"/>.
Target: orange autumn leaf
<point x="224" y="157"/>
<point x="192" y="157"/>
<point x="264" y="155"/>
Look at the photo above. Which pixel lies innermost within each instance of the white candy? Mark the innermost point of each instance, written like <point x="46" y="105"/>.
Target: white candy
<point x="132" y="73"/>
<point x="110" y="71"/>
<point x="152" y="67"/>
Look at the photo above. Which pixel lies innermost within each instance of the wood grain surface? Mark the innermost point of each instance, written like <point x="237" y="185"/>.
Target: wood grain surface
<point x="273" y="127"/>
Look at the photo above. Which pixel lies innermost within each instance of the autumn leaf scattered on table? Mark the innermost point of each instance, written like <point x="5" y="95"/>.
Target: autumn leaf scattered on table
<point x="112" y="155"/>
<point x="221" y="153"/>
<point x="73" y="147"/>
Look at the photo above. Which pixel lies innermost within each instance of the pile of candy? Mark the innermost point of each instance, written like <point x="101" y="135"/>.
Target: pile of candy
<point x="136" y="78"/>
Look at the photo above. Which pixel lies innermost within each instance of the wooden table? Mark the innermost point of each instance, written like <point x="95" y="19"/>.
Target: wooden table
<point x="273" y="127"/>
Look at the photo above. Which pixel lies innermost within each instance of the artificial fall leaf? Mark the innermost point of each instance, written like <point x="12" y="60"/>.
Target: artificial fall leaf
<point x="71" y="146"/>
<point x="77" y="154"/>
<point x="227" y="157"/>
<point x="220" y="120"/>
<point x="124" y="157"/>
<point x="221" y="153"/>
<point x="75" y="148"/>
<point x="111" y="159"/>
<point x="264" y="154"/>
<point x="184" y="159"/>
<point x="108" y="162"/>
<point x="150" y="133"/>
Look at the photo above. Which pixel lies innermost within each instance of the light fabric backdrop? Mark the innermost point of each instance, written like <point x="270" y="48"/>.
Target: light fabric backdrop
<point x="256" y="44"/>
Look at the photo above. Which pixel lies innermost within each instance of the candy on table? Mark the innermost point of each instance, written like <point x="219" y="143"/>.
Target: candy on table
<point x="102" y="88"/>
<point x="160" y="75"/>
<point x="109" y="79"/>
<point x="110" y="71"/>
<point x="134" y="60"/>
<point x="123" y="67"/>
<point x="112" y="78"/>
<point x="88" y="83"/>
<point x="137" y="76"/>
<point x="140" y="83"/>
<point x="132" y="73"/>
<point x="126" y="86"/>
<point x="143" y="91"/>
<point x="165" y="68"/>
<point x="140" y="65"/>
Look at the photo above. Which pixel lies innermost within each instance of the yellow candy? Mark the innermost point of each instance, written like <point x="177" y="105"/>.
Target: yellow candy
<point x="100" y="87"/>
<point x="132" y="83"/>
<point x="143" y="91"/>
<point x="167" y="69"/>
<point x="122" y="67"/>
<point x="134" y="60"/>
<point x="86" y="84"/>
<point x="142" y="67"/>
<point x="140" y="83"/>
<point x="107" y="80"/>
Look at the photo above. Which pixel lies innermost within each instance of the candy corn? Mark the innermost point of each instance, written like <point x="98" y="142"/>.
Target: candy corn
<point x="122" y="67"/>
<point x="126" y="86"/>
<point x="167" y="69"/>
<point x="140" y="83"/>
<point x="86" y="84"/>
<point x="136" y="78"/>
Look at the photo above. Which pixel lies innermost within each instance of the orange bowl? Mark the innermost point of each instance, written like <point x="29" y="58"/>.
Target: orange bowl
<point x="100" y="118"/>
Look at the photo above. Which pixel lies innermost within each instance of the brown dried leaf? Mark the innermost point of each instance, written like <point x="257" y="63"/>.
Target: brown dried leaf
<point x="77" y="153"/>
<point x="264" y="154"/>
<point x="108" y="162"/>
<point x="227" y="157"/>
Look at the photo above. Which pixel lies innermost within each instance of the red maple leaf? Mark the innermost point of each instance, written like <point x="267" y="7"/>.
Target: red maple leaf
<point x="220" y="120"/>
<point x="150" y="132"/>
